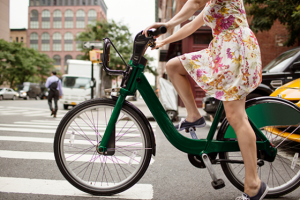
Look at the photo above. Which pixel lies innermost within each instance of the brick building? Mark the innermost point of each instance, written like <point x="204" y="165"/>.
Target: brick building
<point x="54" y="24"/>
<point x="18" y="35"/>
<point x="4" y="19"/>
<point x="271" y="42"/>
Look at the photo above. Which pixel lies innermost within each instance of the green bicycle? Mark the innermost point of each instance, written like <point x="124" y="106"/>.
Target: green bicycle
<point x="104" y="146"/>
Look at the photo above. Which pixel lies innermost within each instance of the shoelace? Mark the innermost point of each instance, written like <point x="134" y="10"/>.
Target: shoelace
<point x="243" y="197"/>
<point x="181" y="121"/>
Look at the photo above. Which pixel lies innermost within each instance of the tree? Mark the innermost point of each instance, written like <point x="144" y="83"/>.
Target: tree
<point x="266" y="12"/>
<point x="122" y="39"/>
<point x="120" y="36"/>
<point x="19" y="64"/>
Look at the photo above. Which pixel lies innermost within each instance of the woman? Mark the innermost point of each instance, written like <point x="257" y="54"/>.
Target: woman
<point x="229" y="69"/>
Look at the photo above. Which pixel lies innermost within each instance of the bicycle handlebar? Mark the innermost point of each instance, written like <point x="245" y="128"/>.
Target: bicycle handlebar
<point x="141" y="43"/>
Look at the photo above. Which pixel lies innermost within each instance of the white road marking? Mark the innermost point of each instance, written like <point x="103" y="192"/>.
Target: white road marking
<point x="63" y="188"/>
<point x="50" y="156"/>
<point x="50" y="140"/>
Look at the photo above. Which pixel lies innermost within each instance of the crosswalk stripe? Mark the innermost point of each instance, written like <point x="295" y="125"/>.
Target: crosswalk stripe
<point x="50" y="140"/>
<point x="70" y="157"/>
<point x="63" y="188"/>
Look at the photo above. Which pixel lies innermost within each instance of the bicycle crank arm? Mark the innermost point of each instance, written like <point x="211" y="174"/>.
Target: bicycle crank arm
<point x="216" y="183"/>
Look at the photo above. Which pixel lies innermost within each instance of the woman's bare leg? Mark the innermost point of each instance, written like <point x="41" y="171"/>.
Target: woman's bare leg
<point x="237" y="118"/>
<point x="178" y="76"/>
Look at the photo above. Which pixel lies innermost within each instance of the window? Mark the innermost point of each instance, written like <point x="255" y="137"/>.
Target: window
<point x="31" y="2"/>
<point x="76" y="82"/>
<point x="45" y="42"/>
<point x="56" y="41"/>
<point x="54" y="2"/>
<point x="22" y="39"/>
<point x="10" y="39"/>
<point x="279" y="63"/>
<point x="34" y="19"/>
<point x="34" y="41"/>
<point x="78" y="3"/>
<point x="17" y="39"/>
<point x="57" y="19"/>
<point x="72" y="2"/>
<point x="80" y="17"/>
<point x="57" y="62"/>
<point x="92" y="17"/>
<point x="43" y="2"/>
<point x="46" y="19"/>
<point x="56" y="59"/>
<point x="68" y="39"/>
<point x="83" y="2"/>
<point x="78" y="43"/>
<point x="67" y="57"/>
<point x="69" y="19"/>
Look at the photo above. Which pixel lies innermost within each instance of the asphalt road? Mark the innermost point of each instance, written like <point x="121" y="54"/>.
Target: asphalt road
<point x="26" y="171"/>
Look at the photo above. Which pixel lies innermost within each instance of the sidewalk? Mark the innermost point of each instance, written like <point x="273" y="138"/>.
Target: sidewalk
<point x="140" y="103"/>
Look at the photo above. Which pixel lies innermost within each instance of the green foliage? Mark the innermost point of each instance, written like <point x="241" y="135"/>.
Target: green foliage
<point x="120" y="36"/>
<point x="266" y="12"/>
<point x="19" y="64"/>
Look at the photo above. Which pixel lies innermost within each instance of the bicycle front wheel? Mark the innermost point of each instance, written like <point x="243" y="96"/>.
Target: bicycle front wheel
<point x="76" y="143"/>
<point x="283" y="174"/>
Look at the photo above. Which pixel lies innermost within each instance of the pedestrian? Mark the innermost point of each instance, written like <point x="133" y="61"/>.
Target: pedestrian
<point x="53" y="84"/>
<point x="229" y="69"/>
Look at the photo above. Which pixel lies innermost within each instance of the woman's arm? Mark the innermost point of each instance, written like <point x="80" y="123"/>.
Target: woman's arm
<point x="189" y="8"/>
<point x="185" y="31"/>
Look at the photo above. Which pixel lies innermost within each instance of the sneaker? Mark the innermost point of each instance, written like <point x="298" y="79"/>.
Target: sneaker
<point x="183" y="124"/>
<point x="262" y="192"/>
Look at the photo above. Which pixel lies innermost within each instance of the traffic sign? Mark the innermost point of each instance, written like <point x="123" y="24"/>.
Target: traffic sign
<point x="88" y="45"/>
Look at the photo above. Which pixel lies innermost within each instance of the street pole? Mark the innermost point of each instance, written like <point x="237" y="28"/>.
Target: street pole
<point x="92" y="79"/>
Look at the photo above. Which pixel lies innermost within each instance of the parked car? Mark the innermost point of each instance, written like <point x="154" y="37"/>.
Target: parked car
<point x="281" y="70"/>
<point x="290" y="92"/>
<point x="29" y="90"/>
<point x="8" y="93"/>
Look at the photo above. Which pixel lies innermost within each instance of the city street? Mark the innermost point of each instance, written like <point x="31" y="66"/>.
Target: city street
<point x="28" y="169"/>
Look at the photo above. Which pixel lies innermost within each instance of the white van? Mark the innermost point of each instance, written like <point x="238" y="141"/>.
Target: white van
<point x="76" y="85"/>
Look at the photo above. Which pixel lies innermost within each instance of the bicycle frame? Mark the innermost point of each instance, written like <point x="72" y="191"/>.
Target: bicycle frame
<point x="138" y="81"/>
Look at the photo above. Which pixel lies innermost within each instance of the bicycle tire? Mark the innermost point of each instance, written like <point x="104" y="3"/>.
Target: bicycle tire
<point x="90" y="171"/>
<point x="283" y="179"/>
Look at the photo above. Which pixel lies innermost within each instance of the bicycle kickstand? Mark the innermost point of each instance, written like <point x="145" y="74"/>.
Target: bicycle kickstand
<point x="216" y="183"/>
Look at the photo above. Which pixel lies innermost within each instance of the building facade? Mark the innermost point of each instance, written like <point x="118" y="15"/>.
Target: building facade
<point x="4" y="19"/>
<point x="18" y="35"/>
<point x="54" y="24"/>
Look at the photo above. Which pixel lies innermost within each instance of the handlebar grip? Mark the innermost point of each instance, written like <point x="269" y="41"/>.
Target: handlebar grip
<point x="160" y="30"/>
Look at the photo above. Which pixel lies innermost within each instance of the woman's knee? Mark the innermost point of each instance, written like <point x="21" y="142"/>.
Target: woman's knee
<point x="174" y="66"/>
<point x="236" y="118"/>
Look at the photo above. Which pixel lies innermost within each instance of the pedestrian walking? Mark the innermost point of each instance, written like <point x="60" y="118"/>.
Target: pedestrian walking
<point x="53" y="84"/>
<point x="229" y="69"/>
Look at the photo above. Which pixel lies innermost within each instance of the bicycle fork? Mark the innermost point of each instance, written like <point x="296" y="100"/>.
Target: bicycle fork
<point x="108" y="139"/>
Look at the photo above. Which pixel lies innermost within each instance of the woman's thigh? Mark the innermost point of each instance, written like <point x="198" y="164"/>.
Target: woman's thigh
<point x="175" y="66"/>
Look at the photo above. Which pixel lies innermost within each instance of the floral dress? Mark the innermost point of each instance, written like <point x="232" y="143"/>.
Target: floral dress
<point x="230" y="68"/>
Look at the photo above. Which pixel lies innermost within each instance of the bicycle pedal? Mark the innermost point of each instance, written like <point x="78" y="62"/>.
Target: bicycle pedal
<point x="191" y="130"/>
<point x="218" y="184"/>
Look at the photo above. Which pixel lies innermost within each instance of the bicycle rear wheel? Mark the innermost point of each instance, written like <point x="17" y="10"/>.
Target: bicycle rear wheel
<point x="283" y="174"/>
<point x="75" y="148"/>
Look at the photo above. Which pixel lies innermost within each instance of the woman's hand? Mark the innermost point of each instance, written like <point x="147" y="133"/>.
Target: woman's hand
<point x="155" y="25"/>
<point x="159" y="44"/>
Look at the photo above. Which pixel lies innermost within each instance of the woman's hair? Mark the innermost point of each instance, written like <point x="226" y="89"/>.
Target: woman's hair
<point x="54" y="72"/>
